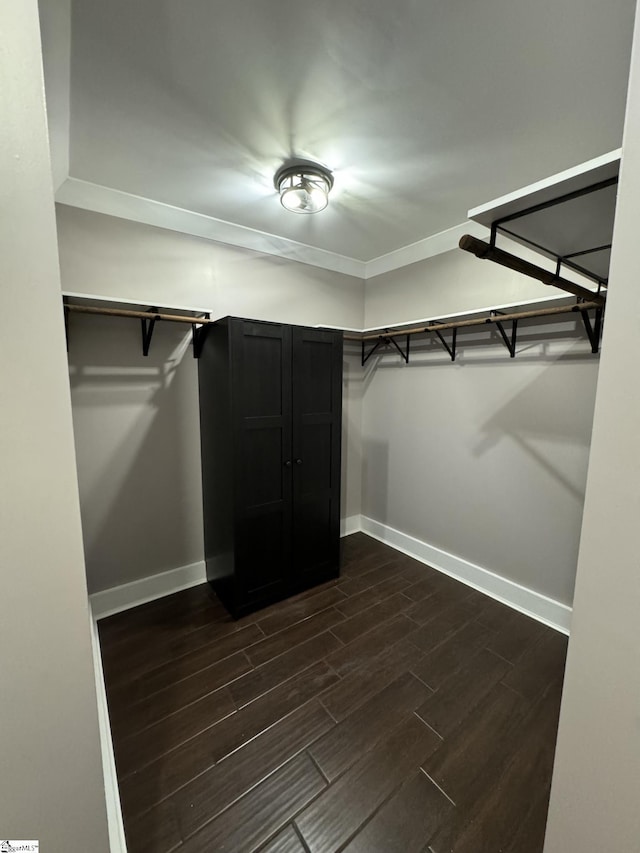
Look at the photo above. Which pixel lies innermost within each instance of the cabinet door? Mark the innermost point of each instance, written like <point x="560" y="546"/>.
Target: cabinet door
<point x="317" y="425"/>
<point x="261" y="382"/>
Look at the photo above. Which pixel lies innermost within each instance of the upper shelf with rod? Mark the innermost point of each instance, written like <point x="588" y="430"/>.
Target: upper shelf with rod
<point x="567" y="218"/>
<point x="389" y="337"/>
<point x="148" y="316"/>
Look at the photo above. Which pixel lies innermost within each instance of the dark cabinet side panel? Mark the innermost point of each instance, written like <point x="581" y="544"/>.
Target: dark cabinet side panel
<point x="317" y="424"/>
<point x="218" y="476"/>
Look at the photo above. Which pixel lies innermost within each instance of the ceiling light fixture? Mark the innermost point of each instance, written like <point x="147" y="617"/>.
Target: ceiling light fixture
<point x="303" y="187"/>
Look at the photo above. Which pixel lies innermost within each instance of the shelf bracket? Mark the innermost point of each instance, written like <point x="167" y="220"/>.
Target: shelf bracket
<point x="198" y="335"/>
<point x="510" y="344"/>
<point x="147" y="329"/>
<point x="593" y="330"/>
<point x="404" y="354"/>
<point x="386" y="340"/>
<point x="367" y="355"/>
<point x="450" y="349"/>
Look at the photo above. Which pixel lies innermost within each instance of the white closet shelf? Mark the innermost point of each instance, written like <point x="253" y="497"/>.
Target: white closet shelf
<point x="148" y="315"/>
<point x="567" y="217"/>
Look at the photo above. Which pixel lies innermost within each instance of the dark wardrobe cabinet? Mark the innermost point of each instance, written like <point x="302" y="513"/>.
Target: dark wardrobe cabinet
<point x="270" y="423"/>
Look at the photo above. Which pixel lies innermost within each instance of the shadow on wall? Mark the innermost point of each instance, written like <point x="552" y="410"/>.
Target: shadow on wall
<point x="136" y="426"/>
<point x="550" y="417"/>
<point x="545" y="409"/>
<point x="351" y="467"/>
<point x="546" y="419"/>
<point x="375" y="480"/>
<point x="485" y="458"/>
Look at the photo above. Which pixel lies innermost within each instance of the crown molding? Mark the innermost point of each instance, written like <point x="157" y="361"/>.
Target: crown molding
<point x="99" y="199"/>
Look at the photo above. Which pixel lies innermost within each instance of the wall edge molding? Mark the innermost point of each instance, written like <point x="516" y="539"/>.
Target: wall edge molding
<point x="115" y="823"/>
<point x="540" y="607"/>
<point x="107" y="602"/>
<point x="547" y="610"/>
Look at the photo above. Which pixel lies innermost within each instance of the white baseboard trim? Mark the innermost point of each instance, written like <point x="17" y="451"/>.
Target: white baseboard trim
<point x="350" y="525"/>
<point x="534" y="604"/>
<point x="123" y="597"/>
<point x="119" y="598"/>
<point x="547" y="610"/>
<point x="117" y="842"/>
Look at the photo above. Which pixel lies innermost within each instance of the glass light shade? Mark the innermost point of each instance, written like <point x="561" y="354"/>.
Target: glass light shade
<point x="303" y="189"/>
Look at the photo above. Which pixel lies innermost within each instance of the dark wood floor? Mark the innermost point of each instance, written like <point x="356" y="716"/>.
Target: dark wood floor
<point x="392" y="710"/>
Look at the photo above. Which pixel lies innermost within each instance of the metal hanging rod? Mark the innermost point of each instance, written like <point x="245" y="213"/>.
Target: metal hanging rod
<point x="140" y="315"/>
<point x="478" y="321"/>
<point x="148" y="319"/>
<point x="491" y="253"/>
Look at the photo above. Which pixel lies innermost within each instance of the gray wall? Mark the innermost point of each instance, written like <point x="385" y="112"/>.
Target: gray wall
<point x="594" y="796"/>
<point x="135" y="418"/>
<point x="485" y="458"/>
<point x="107" y="256"/>
<point x="138" y="449"/>
<point x="51" y="785"/>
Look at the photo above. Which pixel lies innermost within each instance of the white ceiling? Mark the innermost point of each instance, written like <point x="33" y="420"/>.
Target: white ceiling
<point x="422" y="108"/>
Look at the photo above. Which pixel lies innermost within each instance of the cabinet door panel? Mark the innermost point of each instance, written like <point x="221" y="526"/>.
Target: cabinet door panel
<point x="314" y="362"/>
<point x="316" y="419"/>
<point x="315" y="446"/>
<point x="259" y="552"/>
<point x="262" y="422"/>
<point x="261" y="377"/>
<point x="262" y="471"/>
<point x="313" y="541"/>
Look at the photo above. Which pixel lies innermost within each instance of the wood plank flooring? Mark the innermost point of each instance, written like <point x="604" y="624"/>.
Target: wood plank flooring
<point x="393" y="710"/>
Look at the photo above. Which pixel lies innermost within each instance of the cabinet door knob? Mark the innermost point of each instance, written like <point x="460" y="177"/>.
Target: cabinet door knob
<point x="298" y="461"/>
<point x="288" y="463"/>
